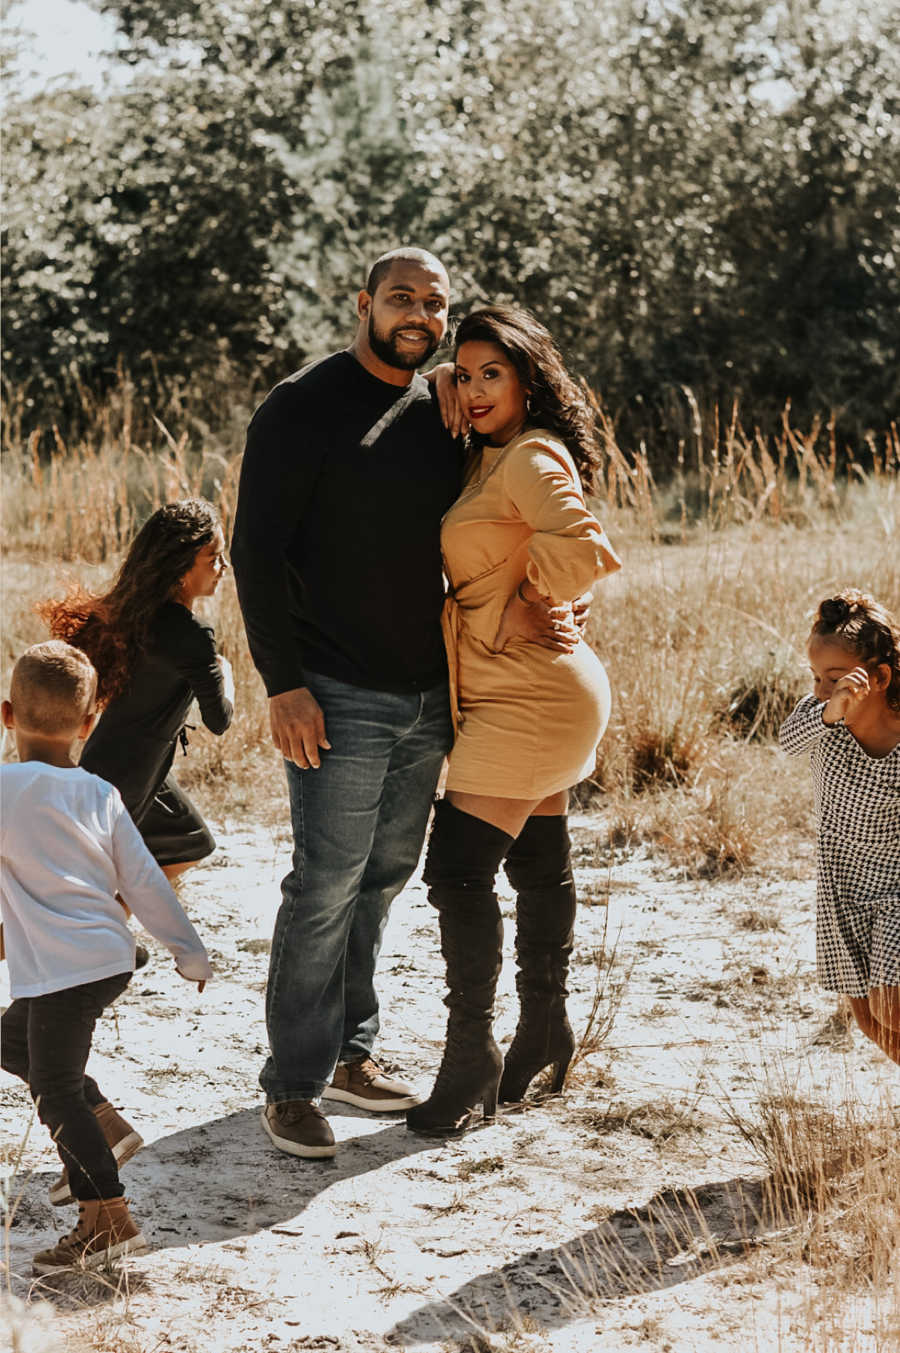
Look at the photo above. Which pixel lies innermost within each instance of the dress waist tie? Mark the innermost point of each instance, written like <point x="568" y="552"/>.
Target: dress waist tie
<point x="451" y="625"/>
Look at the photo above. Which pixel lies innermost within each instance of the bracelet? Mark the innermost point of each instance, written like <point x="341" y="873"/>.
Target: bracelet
<point x="521" y="595"/>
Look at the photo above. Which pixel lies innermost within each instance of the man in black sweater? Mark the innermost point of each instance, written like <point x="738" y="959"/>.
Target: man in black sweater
<point x="347" y="473"/>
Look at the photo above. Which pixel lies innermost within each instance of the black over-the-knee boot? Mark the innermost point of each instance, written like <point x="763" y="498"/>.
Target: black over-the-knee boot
<point x="464" y="854"/>
<point x="538" y="866"/>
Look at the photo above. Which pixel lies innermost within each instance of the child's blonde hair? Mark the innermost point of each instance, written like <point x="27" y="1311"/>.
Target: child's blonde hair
<point x="52" y="689"/>
<point x="865" y="628"/>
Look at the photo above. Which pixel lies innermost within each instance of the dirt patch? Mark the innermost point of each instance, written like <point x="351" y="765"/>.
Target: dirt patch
<point x="626" y="1214"/>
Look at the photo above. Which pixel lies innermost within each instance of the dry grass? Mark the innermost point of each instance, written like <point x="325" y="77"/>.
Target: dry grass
<point x="831" y="1200"/>
<point x="701" y="632"/>
<point x="819" y="1225"/>
<point x="611" y="978"/>
<point x="660" y="1121"/>
<point x="703" y="641"/>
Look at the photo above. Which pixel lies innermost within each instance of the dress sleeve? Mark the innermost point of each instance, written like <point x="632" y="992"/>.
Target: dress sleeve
<point x="569" y="549"/>
<point x="196" y="659"/>
<point x="148" y="893"/>
<point x="803" y="726"/>
<point x="280" y="466"/>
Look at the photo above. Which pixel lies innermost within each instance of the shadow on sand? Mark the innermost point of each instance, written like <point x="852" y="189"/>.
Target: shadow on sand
<point x="212" y="1182"/>
<point x="678" y="1234"/>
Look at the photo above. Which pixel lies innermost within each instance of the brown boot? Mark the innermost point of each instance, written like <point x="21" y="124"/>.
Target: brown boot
<point x="121" y="1139"/>
<point x="105" y="1231"/>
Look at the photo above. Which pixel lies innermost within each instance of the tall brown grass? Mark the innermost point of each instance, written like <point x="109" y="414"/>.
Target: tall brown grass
<point x="831" y="1201"/>
<point x="702" y="632"/>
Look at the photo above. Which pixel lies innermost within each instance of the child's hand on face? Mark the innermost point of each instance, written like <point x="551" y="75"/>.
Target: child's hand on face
<point x="849" y="692"/>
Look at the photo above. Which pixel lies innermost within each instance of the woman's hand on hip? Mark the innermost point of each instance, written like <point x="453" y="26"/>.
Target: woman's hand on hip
<point x="581" y="610"/>
<point x="538" y="622"/>
<point x="298" y="727"/>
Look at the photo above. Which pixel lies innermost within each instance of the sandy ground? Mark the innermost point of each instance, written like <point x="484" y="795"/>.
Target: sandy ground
<point x="620" y="1216"/>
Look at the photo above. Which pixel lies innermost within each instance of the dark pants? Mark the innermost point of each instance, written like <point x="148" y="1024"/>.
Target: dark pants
<point x="46" y="1041"/>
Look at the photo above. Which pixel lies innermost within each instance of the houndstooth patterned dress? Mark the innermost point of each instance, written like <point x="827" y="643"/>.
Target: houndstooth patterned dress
<point x="857" y="800"/>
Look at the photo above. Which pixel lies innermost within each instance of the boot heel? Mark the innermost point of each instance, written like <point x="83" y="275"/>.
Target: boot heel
<point x="489" y="1100"/>
<point x="559" y="1076"/>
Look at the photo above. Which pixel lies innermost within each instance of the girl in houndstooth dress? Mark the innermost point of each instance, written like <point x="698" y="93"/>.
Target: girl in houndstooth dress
<point x="851" y="729"/>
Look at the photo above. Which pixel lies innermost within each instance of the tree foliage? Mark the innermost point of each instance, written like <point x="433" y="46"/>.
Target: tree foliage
<point x="698" y="195"/>
<point x="147" y="228"/>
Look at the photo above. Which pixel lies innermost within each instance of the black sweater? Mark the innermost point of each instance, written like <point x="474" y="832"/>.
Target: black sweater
<point x="133" y="744"/>
<point x="336" y="546"/>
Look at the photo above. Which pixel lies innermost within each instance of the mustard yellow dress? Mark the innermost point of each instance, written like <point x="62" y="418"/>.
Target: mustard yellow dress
<point x="528" y="719"/>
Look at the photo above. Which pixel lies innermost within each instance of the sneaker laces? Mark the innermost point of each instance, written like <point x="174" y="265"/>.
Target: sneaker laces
<point x="76" y="1234"/>
<point x="295" y="1110"/>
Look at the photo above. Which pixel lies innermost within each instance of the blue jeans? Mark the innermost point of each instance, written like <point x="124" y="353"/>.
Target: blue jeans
<point x="359" y="824"/>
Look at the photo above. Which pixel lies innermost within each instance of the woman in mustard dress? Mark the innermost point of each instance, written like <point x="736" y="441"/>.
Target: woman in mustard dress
<point x="528" y="714"/>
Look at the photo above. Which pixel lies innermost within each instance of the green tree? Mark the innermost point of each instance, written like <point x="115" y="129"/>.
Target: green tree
<point x="814" y="231"/>
<point x="139" y="224"/>
<point x="689" y="195"/>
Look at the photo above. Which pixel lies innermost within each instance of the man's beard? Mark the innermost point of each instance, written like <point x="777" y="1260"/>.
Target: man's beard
<point x="385" y="346"/>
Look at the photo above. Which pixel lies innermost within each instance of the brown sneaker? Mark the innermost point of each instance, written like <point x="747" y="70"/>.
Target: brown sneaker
<point x="365" y="1085"/>
<point x="121" y="1139"/>
<point x="299" y="1127"/>
<point x="105" y="1231"/>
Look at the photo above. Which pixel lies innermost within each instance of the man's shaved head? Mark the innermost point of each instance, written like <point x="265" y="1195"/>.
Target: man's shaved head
<point x="52" y="689"/>
<point x="402" y="313"/>
<point x="382" y="266"/>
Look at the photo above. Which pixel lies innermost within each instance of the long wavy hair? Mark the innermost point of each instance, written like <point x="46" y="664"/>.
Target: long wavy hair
<point x="556" y="401"/>
<point x="867" y="630"/>
<point x="112" y="627"/>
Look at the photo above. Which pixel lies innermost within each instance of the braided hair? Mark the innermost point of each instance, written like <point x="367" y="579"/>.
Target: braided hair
<point x="865" y="628"/>
<point x="112" y="627"/>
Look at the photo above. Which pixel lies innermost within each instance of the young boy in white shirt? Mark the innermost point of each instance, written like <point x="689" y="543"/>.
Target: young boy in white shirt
<point x="67" y="847"/>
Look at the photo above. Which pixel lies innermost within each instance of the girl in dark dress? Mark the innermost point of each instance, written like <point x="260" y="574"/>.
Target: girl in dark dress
<point x="153" y="657"/>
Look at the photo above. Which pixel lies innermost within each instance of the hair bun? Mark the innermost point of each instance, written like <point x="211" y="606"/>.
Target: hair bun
<point x="834" y="611"/>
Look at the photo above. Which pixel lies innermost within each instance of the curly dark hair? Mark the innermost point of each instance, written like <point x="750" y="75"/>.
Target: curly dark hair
<point x="865" y="628"/>
<point x="112" y="627"/>
<point x="557" y="401"/>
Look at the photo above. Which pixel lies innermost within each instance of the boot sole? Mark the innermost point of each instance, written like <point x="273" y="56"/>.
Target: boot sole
<point x="472" y="1124"/>
<point x="292" y="1148"/>
<point x="61" y="1194"/>
<point x="396" y="1104"/>
<point x="444" y="1133"/>
<point x="136" y="1245"/>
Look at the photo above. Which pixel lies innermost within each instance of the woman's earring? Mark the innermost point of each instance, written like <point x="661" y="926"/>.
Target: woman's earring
<point x="528" y="402"/>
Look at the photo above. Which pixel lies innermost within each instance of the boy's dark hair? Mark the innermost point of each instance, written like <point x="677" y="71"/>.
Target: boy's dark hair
<point x="52" y="689"/>
<point x="866" y="629"/>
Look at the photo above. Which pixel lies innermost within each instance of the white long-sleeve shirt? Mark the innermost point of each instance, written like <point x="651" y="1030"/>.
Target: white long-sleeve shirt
<point x="67" y="846"/>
